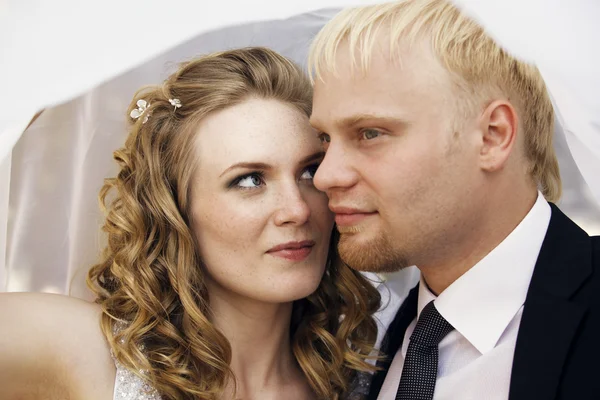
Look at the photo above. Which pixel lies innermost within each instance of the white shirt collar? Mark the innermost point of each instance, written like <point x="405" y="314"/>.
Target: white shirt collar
<point x="482" y="302"/>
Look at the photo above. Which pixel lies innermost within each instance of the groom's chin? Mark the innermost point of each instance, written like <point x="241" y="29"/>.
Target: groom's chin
<point x="374" y="255"/>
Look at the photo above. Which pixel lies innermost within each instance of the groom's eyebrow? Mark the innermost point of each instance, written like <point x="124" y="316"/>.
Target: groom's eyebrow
<point x="361" y="119"/>
<point x="352" y="121"/>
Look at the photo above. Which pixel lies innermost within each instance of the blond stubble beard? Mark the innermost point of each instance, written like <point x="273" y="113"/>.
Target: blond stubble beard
<point x="375" y="255"/>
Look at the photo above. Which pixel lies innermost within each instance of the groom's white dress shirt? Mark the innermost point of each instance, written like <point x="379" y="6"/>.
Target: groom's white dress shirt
<point x="485" y="306"/>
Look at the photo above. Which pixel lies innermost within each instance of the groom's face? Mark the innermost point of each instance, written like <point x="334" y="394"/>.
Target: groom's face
<point x="396" y="172"/>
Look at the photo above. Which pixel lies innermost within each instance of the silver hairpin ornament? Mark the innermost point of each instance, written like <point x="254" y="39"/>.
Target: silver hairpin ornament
<point x="141" y="110"/>
<point x="175" y="103"/>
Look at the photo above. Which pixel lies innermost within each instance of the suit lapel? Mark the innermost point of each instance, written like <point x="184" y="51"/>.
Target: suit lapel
<point x="393" y="340"/>
<point x="550" y="321"/>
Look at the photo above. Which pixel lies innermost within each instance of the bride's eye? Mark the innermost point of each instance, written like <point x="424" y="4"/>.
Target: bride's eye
<point x="309" y="172"/>
<point x="249" y="181"/>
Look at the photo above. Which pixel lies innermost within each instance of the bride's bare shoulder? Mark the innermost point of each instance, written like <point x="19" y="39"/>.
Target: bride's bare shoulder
<point x="48" y="312"/>
<point x="46" y="302"/>
<point x="42" y="334"/>
<point x="48" y="324"/>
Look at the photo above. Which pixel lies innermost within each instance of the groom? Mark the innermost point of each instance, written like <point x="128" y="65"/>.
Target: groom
<point x="439" y="154"/>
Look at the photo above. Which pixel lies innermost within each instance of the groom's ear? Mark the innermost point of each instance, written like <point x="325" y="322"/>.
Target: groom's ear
<point x="498" y="126"/>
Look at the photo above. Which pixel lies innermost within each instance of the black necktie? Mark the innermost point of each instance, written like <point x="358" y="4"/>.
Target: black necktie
<point x="420" y="365"/>
<point x="393" y="339"/>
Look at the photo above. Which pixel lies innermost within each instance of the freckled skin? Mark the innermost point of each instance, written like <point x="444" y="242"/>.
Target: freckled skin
<point x="236" y="226"/>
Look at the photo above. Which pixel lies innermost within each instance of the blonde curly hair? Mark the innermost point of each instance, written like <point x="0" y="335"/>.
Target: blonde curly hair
<point x="150" y="284"/>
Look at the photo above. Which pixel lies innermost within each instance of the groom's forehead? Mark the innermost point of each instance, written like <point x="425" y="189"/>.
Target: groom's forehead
<point x="353" y="66"/>
<point x="339" y="104"/>
<point x="382" y="79"/>
<point x="350" y="60"/>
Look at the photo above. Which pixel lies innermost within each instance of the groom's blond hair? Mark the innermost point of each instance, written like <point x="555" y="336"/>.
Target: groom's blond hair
<point x="479" y="67"/>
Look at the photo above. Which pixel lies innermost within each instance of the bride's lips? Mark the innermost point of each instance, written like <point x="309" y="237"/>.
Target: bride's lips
<point x="345" y="216"/>
<point x="294" y="251"/>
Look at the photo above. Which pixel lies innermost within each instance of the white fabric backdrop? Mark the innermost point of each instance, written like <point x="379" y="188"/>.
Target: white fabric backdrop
<point x="49" y="217"/>
<point x="59" y="163"/>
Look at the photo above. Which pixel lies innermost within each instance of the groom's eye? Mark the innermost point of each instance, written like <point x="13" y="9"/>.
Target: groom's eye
<point x="369" y="134"/>
<point x="324" y="138"/>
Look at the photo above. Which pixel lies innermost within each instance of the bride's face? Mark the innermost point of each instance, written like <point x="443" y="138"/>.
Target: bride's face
<point x="262" y="227"/>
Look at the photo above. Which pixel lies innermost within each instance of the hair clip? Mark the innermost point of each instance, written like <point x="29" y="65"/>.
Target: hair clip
<point x="176" y="103"/>
<point x="138" y="112"/>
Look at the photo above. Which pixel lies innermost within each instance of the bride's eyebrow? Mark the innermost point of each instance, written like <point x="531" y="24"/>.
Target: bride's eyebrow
<point x="318" y="156"/>
<point x="265" y="167"/>
<point x="247" y="165"/>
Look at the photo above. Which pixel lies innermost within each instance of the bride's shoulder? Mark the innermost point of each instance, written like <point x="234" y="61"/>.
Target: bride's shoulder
<point x="52" y="323"/>
<point x="53" y="336"/>
<point x="49" y="311"/>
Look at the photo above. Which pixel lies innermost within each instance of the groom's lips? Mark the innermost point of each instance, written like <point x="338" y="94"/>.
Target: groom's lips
<point x="346" y="216"/>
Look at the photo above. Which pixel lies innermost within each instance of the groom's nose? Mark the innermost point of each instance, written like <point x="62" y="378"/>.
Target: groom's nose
<point x="335" y="171"/>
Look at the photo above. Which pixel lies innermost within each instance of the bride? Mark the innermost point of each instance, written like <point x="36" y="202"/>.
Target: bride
<point x="220" y="279"/>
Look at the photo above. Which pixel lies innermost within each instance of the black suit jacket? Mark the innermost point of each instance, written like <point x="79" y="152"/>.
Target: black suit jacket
<point x="557" y="354"/>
